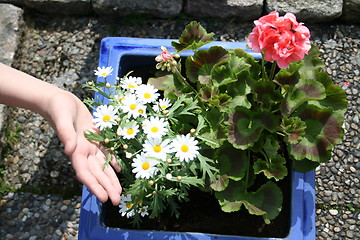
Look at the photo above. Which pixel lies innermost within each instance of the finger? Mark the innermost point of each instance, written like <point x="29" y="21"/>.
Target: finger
<point x="93" y="185"/>
<point x="115" y="164"/>
<point x="104" y="180"/>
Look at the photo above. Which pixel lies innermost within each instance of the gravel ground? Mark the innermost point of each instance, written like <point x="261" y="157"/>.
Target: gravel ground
<point x="64" y="52"/>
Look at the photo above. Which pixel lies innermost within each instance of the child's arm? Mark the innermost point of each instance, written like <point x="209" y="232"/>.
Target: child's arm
<point x="70" y="118"/>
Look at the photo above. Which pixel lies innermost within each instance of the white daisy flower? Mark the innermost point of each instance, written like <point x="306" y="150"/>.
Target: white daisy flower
<point x="132" y="106"/>
<point x="147" y="93"/>
<point x="155" y="147"/>
<point x="126" y="205"/>
<point x="103" y="71"/>
<point x="129" y="131"/>
<point x="185" y="147"/>
<point x="130" y="83"/>
<point x="118" y="97"/>
<point x="104" y="116"/>
<point x="163" y="104"/>
<point x="144" y="167"/>
<point x="143" y="211"/>
<point x="155" y="127"/>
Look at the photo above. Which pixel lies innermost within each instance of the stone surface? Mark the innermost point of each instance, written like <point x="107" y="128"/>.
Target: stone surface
<point x="244" y="10"/>
<point x="10" y="33"/>
<point x="157" y="8"/>
<point x="56" y="7"/>
<point x="351" y="11"/>
<point x="308" y="10"/>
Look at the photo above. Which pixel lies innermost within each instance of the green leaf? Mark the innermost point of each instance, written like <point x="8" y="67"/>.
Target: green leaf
<point x="235" y="191"/>
<point x="275" y="168"/>
<point x="228" y="71"/>
<point x="293" y="128"/>
<point x="168" y="84"/>
<point x="323" y="131"/>
<point x="233" y="162"/>
<point x="193" y="37"/>
<point x="266" y="94"/>
<point x="304" y="165"/>
<point x="266" y="201"/>
<point x="335" y="95"/>
<point x="200" y="66"/>
<point x="94" y="137"/>
<point x="206" y="166"/>
<point x="221" y="182"/>
<point x="246" y="126"/>
<point x="304" y="91"/>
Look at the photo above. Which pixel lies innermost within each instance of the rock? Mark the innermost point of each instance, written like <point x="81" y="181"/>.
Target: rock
<point x="56" y="7"/>
<point x="11" y="23"/>
<point x="351" y="11"/>
<point x="157" y="8"/>
<point x="309" y="10"/>
<point x="244" y="10"/>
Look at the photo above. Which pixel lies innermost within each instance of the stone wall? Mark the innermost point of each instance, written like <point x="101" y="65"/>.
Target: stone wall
<point x="10" y="33"/>
<point x="247" y="10"/>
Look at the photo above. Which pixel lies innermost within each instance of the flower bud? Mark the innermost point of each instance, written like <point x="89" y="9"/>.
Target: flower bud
<point x="108" y="85"/>
<point x="151" y="182"/>
<point x="125" y="146"/>
<point x="112" y="149"/>
<point x="154" y="192"/>
<point x="179" y="178"/>
<point x="168" y="160"/>
<point x="168" y="176"/>
<point x="117" y="79"/>
<point x="192" y="131"/>
<point x="90" y="83"/>
<point x="106" y="140"/>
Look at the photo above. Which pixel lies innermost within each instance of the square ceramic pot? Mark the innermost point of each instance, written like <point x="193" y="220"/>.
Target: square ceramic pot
<point x="124" y="54"/>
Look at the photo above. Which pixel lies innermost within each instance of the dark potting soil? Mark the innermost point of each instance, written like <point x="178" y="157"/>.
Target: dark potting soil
<point x="203" y="214"/>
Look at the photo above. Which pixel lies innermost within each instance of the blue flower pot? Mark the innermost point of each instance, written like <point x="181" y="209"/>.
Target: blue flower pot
<point x="120" y="53"/>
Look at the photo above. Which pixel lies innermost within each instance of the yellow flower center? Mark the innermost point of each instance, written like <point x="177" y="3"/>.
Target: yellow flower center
<point x="141" y="111"/>
<point x="147" y="95"/>
<point x="154" y="129"/>
<point x="129" y="205"/>
<point x="121" y="99"/>
<point x="130" y="131"/>
<point x="163" y="107"/>
<point x="131" y="86"/>
<point x="104" y="74"/>
<point x="184" y="148"/>
<point x="133" y="106"/>
<point x="157" y="148"/>
<point x="106" y="118"/>
<point x="145" y="166"/>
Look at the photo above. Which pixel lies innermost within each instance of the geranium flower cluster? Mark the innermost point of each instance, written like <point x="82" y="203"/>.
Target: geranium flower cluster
<point x="282" y="39"/>
<point x="138" y="116"/>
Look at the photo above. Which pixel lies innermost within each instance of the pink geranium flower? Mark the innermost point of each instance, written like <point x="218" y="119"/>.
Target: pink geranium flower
<point x="282" y="39"/>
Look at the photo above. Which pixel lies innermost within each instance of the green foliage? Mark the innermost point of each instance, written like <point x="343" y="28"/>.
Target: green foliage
<point x="246" y="117"/>
<point x="251" y="122"/>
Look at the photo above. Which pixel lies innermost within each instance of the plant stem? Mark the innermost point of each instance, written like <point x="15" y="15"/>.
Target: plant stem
<point x="272" y="71"/>
<point x="183" y="81"/>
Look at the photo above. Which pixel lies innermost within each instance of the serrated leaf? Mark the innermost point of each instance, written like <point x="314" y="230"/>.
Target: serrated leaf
<point x="200" y="66"/>
<point x="275" y="168"/>
<point x="323" y="131"/>
<point x="193" y="37"/>
<point x="246" y="126"/>
<point x="220" y="183"/>
<point x="304" y="91"/>
<point x="266" y="201"/>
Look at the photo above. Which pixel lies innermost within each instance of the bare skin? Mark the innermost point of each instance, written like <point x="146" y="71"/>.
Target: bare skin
<point x="70" y="118"/>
